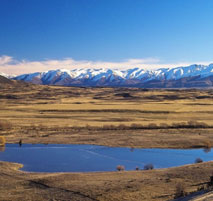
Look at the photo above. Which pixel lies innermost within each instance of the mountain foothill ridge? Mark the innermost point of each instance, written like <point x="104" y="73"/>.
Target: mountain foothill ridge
<point x="189" y="76"/>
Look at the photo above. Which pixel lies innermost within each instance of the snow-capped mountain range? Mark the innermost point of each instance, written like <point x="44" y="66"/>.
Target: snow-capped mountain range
<point x="7" y="76"/>
<point x="190" y="76"/>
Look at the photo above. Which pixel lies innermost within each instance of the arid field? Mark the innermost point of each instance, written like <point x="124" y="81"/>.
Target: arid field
<point x="150" y="185"/>
<point x="107" y="116"/>
<point x="125" y="117"/>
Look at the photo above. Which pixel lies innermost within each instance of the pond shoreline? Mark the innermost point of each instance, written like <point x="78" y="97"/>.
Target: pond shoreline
<point x="179" y="139"/>
<point x="151" y="185"/>
<point x="95" y="158"/>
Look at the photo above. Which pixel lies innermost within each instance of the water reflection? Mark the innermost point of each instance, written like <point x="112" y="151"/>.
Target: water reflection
<point x="207" y="149"/>
<point x="84" y="158"/>
<point x="20" y="143"/>
<point x="132" y="149"/>
<point x="2" y="148"/>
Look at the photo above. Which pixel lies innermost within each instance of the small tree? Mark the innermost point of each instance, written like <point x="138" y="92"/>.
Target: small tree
<point x="120" y="168"/>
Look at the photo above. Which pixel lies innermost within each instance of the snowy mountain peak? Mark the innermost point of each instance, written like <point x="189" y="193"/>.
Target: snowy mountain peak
<point x="116" y="77"/>
<point x="7" y="76"/>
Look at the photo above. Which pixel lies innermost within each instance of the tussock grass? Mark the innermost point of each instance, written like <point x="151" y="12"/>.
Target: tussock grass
<point x="156" y="185"/>
<point x="2" y="141"/>
<point x="4" y="125"/>
<point x="180" y="191"/>
<point x="134" y="117"/>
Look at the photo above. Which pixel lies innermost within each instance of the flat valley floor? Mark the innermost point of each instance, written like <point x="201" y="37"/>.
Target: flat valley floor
<point x="124" y="117"/>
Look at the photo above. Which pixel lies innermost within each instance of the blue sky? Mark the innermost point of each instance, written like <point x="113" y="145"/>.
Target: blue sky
<point x="104" y="32"/>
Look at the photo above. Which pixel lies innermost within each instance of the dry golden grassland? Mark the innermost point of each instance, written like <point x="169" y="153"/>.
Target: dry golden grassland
<point x="107" y="116"/>
<point x="147" y="185"/>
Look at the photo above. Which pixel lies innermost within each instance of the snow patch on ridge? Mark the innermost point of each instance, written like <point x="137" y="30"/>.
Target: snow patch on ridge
<point x="104" y="76"/>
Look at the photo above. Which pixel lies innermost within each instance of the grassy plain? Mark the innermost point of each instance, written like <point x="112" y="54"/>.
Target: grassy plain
<point x="108" y="116"/>
<point x="105" y="116"/>
<point x="149" y="185"/>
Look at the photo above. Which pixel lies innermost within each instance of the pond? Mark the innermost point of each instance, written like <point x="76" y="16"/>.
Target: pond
<point x="89" y="158"/>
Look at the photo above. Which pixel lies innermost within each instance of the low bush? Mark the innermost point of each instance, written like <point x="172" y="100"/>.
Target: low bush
<point x="201" y="188"/>
<point x="134" y="126"/>
<point x="180" y="191"/>
<point x="198" y="160"/>
<point x="152" y="126"/>
<point x="195" y="124"/>
<point x="164" y="125"/>
<point x="120" y="168"/>
<point x="122" y="127"/>
<point x="109" y="127"/>
<point x="4" y="125"/>
<point x="210" y="183"/>
<point x="148" y="167"/>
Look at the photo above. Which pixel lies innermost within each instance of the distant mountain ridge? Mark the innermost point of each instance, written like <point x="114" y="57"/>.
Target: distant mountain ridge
<point x="6" y="82"/>
<point x="7" y="76"/>
<point x="190" y="76"/>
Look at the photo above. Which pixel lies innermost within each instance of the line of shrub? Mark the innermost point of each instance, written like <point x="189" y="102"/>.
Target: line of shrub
<point x="189" y="124"/>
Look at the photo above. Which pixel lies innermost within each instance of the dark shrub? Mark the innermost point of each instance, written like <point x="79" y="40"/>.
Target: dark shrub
<point x="210" y="183"/>
<point x="164" y="125"/>
<point x="148" y="167"/>
<point x="109" y="127"/>
<point x="120" y="168"/>
<point x="152" y="126"/>
<point x="198" y="160"/>
<point x="124" y="95"/>
<point x="180" y="191"/>
<point x="122" y="127"/>
<point x="136" y="126"/>
<point x="195" y="124"/>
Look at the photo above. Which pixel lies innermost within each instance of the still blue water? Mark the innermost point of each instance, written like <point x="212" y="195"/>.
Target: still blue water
<point x="88" y="158"/>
